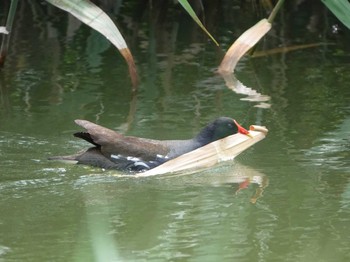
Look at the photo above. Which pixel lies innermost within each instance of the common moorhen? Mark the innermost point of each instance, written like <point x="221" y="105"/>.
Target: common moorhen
<point x="113" y="150"/>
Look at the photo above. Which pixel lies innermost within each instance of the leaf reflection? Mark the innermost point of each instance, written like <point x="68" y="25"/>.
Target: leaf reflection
<point x="251" y="95"/>
<point x="223" y="174"/>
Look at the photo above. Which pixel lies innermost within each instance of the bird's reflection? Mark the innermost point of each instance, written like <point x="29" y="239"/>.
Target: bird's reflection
<point x="226" y="173"/>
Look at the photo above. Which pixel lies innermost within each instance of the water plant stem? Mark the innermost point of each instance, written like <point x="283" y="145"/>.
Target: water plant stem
<point x="274" y="11"/>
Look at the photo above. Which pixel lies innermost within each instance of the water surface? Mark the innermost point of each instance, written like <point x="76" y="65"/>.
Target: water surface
<point x="285" y="199"/>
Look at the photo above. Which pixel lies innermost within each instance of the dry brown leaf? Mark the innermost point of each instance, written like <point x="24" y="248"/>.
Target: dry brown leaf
<point x="245" y="42"/>
<point x="218" y="151"/>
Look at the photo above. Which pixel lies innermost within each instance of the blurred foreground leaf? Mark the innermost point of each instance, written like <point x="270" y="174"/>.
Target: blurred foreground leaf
<point x="94" y="17"/>
<point x="341" y="9"/>
<point x="190" y="11"/>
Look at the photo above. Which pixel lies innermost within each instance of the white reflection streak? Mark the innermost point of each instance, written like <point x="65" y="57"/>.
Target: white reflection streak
<point x="252" y="95"/>
<point x="103" y="243"/>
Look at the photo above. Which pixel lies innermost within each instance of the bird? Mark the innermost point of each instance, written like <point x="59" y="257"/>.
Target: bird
<point x="113" y="150"/>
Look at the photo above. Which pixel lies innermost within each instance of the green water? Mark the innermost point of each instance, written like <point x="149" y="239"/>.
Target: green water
<point x="297" y="204"/>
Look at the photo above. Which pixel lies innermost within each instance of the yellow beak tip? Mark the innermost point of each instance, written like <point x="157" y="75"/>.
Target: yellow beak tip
<point x="250" y="135"/>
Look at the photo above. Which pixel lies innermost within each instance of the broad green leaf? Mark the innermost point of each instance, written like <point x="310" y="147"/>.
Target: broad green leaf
<point x="94" y="17"/>
<point x="341" y="9"/>
<point x="190" y="11"/>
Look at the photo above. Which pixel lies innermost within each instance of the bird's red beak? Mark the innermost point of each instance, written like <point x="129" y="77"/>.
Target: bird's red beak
<point x="241" y="129"/>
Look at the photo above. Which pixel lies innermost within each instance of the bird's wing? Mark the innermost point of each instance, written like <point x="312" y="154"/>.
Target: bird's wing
<point x="115" y="143"/>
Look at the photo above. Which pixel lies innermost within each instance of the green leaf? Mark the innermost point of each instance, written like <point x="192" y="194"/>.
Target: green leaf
<point x="94" y="17"/>
<point x="341" y="9"/>
<point x="190" y="11"/>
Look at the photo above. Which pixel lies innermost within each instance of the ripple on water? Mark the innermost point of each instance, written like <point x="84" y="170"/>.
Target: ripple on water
<point x="332" y="151"/>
